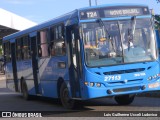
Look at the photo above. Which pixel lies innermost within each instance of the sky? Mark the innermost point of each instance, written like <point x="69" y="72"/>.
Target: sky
<point x="43" y="10"/>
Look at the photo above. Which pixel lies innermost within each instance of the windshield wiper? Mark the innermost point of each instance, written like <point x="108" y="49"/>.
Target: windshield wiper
<point x="101" y="23"/>
<point x="131" y="31"/>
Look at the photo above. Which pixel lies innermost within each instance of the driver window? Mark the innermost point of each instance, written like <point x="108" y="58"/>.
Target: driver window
<point x="57" y="44"/>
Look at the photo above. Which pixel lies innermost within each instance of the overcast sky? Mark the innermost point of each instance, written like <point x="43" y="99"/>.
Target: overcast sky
<point x="42" y="10"/>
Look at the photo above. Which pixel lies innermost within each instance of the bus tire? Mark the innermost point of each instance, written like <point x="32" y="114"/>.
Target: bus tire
<point x="64" y="96"/>
<point x="25" y="94"/>
<point x="124" y="99"/>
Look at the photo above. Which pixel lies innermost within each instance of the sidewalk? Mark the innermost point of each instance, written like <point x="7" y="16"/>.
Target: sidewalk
<point x="2" y="77"/>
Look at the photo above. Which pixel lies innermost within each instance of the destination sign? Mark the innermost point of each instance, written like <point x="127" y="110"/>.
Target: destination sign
<point x="123" y="12"/>
<point x="113" y="12"/>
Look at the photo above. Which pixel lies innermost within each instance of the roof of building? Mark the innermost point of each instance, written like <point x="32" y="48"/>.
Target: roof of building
<point x="10" y="23"/>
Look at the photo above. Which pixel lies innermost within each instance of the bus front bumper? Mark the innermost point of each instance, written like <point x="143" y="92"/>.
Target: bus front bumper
<point x="97" y="92"/>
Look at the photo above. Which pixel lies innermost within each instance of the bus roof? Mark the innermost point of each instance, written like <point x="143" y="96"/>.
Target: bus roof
<point x="111" y="5"/>
<point x="61" y="19"/>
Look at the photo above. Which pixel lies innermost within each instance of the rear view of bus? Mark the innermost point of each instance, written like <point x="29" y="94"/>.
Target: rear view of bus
<point x="120" y="52"/>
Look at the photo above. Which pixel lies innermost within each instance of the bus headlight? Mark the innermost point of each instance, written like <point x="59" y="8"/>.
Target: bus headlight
<point x="91" y="84"/>
<point x="149" y="78"/>
<point x="98" y="84"/>
<point x="86" y="83"/>
<point x="153" y="77"/>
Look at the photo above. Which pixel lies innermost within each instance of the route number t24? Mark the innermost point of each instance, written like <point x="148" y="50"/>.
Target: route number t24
<point x="92" y="14"/>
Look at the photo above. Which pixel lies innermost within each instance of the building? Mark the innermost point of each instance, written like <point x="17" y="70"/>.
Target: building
<point x="11" y="23"/>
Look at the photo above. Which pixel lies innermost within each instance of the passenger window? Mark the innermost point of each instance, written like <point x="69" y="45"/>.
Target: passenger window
<point x="57" y="44"/>
<point x="52" y="46"/>
<point x="19" y="49"/>
<point x="60" y="48"/>
<point x="43" y="48"/>
<point x="7" y="52"/>
<point x="26" y="48"/>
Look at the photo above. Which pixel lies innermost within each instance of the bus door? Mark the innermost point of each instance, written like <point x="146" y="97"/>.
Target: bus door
<point x="74" y="62"/>
<point x="158" y="39"/>
<point x="34" y="55"/>
<point x="14" y="65"/>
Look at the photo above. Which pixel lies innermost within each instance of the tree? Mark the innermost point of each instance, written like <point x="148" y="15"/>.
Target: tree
<point x="157" y="21"/>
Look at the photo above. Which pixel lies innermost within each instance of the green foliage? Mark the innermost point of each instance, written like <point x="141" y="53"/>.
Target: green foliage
<point x="0" y="41"/>
<point x="157" y="21"/>
<point x="0" y="50"/>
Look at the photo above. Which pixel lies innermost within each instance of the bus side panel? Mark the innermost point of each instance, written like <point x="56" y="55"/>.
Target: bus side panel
<point x="9" y="77"/>
<point x="27" y="74"/>
<point x="50" y="72"/>
<point x="21" y="73"/>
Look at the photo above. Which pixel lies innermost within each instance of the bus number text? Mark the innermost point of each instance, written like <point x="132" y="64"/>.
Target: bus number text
<point x="110" y="78"/>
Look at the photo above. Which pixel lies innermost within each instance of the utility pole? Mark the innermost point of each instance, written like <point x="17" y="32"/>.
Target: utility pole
<point x="96" y="2"/>
<point x="90" y="3"/>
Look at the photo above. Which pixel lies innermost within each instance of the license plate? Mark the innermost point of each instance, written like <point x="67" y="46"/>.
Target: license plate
<point x="154" y="85"/>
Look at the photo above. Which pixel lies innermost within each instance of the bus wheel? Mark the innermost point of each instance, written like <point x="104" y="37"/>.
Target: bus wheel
<point x="64" y="96"/>
<point x="124" y="99"/>
<point x="25" y="91"/>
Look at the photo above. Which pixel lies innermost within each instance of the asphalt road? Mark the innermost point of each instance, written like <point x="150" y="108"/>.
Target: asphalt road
<point x="11" y="101"/>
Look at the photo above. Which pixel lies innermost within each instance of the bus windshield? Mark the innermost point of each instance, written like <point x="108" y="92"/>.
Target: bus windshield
<point x="117" y="46"/>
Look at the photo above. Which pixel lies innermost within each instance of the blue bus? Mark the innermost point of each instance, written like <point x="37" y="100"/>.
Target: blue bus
<point x="93" y="52"/>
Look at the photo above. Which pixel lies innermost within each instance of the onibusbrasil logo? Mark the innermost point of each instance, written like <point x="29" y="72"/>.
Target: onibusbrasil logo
<point x="20" y="114"/>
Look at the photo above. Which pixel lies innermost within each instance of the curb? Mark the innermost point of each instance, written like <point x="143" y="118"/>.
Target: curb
<point x="150" y="94"/>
